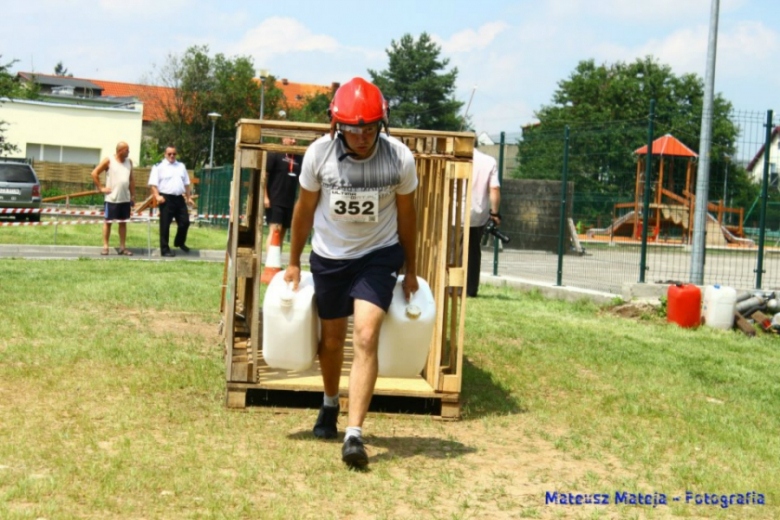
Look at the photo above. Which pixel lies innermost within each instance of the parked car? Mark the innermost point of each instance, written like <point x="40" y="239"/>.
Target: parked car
<point x="19" y="188"/>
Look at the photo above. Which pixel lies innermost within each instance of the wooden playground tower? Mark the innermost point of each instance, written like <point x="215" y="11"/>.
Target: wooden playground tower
<point x="669" y="208"/>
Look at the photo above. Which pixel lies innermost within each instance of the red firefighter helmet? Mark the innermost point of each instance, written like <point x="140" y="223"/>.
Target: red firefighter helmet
<point x="358" y="103"/>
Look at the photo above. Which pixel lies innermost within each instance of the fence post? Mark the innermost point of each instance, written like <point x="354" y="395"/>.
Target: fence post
<point x="646" y="194"/>
<point x="500" y="181"/>
<point x="562" y="225"/>
<point x="764" y="194"/>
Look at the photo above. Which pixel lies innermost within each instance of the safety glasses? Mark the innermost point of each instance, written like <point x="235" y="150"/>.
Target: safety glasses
<point x="365" y="129"/>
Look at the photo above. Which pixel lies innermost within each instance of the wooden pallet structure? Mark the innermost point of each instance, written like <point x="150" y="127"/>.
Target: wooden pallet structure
<point x="444" y="164"/>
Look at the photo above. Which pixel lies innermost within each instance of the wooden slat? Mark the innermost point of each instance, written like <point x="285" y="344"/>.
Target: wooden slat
<point x="257" y="224"/>
<point x="451" y="383"/>
<point x="236" y="398"/>
<point x="249" y="133"/>
<point x="250" y="158"/>
<point x="246" y="265"/>
<point x="232" y="279"/>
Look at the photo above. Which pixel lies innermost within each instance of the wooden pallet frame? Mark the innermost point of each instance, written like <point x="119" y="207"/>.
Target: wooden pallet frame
<point x="444" y="164"/>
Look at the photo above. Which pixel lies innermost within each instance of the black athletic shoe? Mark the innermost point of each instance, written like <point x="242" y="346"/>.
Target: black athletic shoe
<point x="325" y="427"/>
<point x="168" y="253"/>
<point x="353" y="453"/>
<point x="184" y="248"/>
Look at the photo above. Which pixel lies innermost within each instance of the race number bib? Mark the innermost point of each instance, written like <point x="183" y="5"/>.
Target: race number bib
<point x="354" y="206"/>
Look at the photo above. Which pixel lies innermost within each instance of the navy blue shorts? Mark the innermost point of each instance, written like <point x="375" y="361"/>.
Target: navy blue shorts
<point x="338" y="283"/>
<point x="118" y="210"/>
<point x="279" y="215"/>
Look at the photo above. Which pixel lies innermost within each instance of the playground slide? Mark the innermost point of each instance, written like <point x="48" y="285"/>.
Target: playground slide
<point x="615" y="225"/>
<point x="718" y="235"/>
<point x="728" y="235"/>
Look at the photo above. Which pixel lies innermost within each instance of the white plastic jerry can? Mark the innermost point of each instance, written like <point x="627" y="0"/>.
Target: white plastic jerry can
<point x="405" y="336"/>
<point x="718" y="306"/>
<point x="290" y="324"/>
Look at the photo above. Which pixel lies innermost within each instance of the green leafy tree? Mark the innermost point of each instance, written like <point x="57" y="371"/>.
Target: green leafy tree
<point x="606" y="108"/>
<point x="61" y="70"/>
<point x="419" y="92"/>
<point x="203" y="84"/>
<point x="314" y="109"/>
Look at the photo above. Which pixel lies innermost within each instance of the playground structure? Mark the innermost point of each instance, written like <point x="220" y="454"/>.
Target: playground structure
<point x="670" y="215"/>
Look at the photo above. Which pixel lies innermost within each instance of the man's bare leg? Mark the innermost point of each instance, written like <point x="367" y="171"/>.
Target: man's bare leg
<point x="122" y="236"/>
<point x="331" y="353"/>
<point x="362" y="377"/>
<point x="106" y="235"/>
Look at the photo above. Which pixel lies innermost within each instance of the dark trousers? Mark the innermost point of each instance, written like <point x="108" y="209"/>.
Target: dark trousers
<point x="174" y="208"/>
<point x="475" y="259"/>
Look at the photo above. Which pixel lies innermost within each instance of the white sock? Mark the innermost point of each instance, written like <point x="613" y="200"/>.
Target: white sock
<point x="331" y="400"/>
<point x="353" y="431"/>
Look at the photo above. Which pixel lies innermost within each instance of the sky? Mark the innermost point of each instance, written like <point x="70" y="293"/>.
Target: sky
<point x="509" y="54"/>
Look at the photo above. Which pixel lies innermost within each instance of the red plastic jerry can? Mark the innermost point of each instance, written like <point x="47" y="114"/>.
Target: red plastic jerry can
<point x="683" y="305"/>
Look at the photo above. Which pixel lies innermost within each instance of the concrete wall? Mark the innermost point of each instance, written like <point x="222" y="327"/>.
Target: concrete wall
<point x="531" y="211"/>
<point x="510" y="156"/>
<point x="54" y="124"/>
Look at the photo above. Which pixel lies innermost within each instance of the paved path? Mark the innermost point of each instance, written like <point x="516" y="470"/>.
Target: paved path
<point x="510" y="274"/>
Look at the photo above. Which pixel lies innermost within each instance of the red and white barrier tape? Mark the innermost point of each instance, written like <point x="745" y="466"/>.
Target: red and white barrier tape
<point x="52" y="211"/>
<point x="140" y="218"/>
<point x="63" y="222"/>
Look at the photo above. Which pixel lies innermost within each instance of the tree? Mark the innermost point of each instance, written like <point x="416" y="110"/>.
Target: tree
<point x="419" y="93"/>
<point x="203" y="84"/>
<point x="11" y="89"/>
<point x="606" y="108"/>
<point x="314" y="109"/>
<point x="61" y="70"/>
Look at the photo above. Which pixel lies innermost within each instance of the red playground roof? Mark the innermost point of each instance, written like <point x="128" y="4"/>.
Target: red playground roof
<point x="668" y="145"/>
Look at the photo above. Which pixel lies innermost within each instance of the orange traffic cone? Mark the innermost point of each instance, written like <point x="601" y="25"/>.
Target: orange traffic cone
<point x="273" y="261"/>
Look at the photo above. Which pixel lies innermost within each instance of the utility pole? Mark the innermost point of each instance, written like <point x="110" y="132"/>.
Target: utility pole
<point x="466" y="114"/>
<point x="698" y="250"/>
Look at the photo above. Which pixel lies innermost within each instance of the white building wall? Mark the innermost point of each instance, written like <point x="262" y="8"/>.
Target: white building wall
<point x="59" y="125"/>
<point x="757" y="173"/>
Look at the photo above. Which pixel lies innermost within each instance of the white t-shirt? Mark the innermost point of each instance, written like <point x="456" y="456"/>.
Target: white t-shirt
<point x="484" y="176"/>
<point x="169" y="177"/>
<point x="356" y="213"/>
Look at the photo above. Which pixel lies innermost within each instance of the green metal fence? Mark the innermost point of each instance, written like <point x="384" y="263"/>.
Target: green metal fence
<point x="612" y="246"/>
<point x="214" y="192"/>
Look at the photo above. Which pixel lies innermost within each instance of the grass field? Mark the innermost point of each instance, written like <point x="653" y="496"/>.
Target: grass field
<point x="199" y="236"/>
<point x="112" y="406"/>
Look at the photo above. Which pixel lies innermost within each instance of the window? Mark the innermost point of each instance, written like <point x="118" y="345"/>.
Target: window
<point x="62" y="154"/>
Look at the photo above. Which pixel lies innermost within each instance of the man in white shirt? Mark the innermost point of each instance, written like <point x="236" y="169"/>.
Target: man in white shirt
<point x="485" y="201"/>
<point x="357" y="192"/>
<point x="170" y="185"/>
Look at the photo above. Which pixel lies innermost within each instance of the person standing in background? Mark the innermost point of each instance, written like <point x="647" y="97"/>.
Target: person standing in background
<point x="281" y="185"/>
<point x="170" y="184"/>
<point x="485" y="202"/>
<point x="119" y="194"/>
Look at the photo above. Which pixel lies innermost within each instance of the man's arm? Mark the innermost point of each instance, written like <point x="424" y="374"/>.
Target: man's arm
<point x="132" y="186"/>
<point x="100" y="168"/>
<point x="495" y="204"/>
<point x="407" y="236"/>
<point x="187" y="187"/>
<point x="302" y="222"/>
